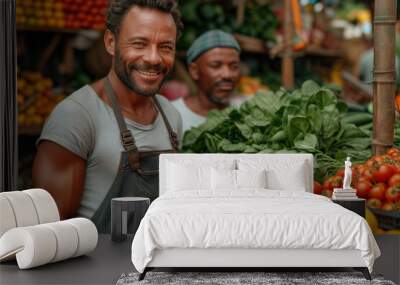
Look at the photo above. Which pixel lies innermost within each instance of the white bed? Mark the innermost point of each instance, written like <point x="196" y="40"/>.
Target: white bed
<point x="248" y="227"/>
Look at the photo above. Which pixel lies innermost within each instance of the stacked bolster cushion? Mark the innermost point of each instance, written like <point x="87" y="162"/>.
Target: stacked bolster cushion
<point x="31" y="230"/>
<point x="41" y="244"/>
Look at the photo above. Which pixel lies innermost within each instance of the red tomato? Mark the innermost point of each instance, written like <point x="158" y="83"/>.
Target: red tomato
<point x="327" y="193"/>
<point x="395" y="179"/>
<point x="378" y="191"/>
<point x="393" y="194"/>
<point x="336" y="181"/>
<point x="327" y="184"/>
<point x="95" y="11"/>
<point x="393" y="151"/>
<point x="340" y="172"/>
<point x="388" y="207"/>
<point x="396" y="167"/>
<point x="363" y="188"/>
<point x="368" y="174"/>
<point x="370" y="162"/>
<point x="363" y="167"/>
<point x="374" y="203"/>
<point x="317" y="187"/>
<point x="393" y="167"/>
<point x="374" y="162"/>
<point x="74" y="8"/>
<point x="383" y="173"/>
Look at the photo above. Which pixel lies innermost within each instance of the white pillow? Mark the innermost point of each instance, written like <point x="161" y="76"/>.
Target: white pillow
<point x="226" y="179"/>
<point x="183" y="178"/>
<point x="223" y="179"/>
<point x="282" y="174"/>
<point x="251" y="178"/>
<point x="193" y="174"/>
<point x="293" y="180"/>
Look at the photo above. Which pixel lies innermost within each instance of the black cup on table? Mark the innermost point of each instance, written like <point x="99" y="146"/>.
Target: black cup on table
<point x="126" y="214"/>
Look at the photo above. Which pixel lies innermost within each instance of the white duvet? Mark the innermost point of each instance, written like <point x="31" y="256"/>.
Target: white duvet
<point x="256" y="218"/>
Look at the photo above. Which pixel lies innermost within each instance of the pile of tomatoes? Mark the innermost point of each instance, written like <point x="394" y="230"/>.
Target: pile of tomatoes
<point x="60" y="14"/>
<point x="377" y="180"/>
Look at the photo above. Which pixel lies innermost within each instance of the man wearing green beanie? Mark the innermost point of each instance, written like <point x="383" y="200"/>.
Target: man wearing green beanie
<point x="214" y="64"/>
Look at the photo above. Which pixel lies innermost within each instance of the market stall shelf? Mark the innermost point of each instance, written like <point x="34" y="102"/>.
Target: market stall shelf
<point x="54" y="30"/>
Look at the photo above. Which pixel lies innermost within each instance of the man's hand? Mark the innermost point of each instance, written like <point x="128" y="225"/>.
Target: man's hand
<point x="62" y="174"/>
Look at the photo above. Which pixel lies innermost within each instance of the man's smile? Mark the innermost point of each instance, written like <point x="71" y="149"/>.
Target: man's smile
<point x="149" y="75"/>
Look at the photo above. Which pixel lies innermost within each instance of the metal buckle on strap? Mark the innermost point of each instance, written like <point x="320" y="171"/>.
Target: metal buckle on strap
<point x="134" y="162"/>
<point x="127" y="139"/>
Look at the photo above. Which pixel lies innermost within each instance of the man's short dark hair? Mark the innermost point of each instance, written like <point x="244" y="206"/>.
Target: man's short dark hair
<point x="118" y="9"/>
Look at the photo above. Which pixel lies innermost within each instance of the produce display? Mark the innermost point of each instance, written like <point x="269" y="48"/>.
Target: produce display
<point x="378" y="181"/>
<point x="36" y="99"/>
<point x="198" y="17"/>
<point x="309" y="119"/>
<point x="69" y="14"/>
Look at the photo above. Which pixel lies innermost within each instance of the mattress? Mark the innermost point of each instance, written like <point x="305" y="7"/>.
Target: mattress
<point x="250" y="219"/>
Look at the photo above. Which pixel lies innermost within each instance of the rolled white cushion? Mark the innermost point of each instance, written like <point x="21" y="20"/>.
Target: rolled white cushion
<point x="7" y="218"/>
<point x="23" y="208"/>
<point x="87" y="235"/>
<point x="33" y="246"/>
<point x="67" y="240"/>
<point x="45" y="205"/>
<point x="40" y="244"/>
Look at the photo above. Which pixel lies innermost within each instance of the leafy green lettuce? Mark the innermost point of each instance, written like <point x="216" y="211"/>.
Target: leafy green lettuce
<point x="306" y="120"/>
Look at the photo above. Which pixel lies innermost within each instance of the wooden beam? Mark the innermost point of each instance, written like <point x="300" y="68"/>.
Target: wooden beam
<point x="240" y="11"/>
<point x="287" y="60"/>
<point x="384" y="86"/>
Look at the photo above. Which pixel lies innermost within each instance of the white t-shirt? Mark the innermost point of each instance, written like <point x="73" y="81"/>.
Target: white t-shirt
<point x="189" y="118"/>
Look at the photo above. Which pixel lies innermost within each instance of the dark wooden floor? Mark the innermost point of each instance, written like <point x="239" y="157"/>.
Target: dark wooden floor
<point x="389" y="262"/>
<point x="106" y="264"/>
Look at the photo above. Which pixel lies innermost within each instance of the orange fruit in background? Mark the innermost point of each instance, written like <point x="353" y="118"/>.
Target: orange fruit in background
<point x="397" y="102"/>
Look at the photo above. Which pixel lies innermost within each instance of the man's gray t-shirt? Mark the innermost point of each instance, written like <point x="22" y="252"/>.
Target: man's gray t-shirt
<point x="86" y="126"/>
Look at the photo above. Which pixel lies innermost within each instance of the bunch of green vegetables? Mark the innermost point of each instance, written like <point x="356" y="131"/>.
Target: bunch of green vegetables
<point x="198" y="17"/>
<point x="363" y="118"/>
<point x="309" y="119"/>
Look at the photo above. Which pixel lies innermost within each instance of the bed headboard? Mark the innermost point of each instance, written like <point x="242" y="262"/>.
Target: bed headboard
<point x="206" y="159"/>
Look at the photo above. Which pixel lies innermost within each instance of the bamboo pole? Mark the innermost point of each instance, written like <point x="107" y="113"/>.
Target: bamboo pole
<point x="287" y="60"/>
<point x="240" y="11"/>
<point x="384" y="86"/>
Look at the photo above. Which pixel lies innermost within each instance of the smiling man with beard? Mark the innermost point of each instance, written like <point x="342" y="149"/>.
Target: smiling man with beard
<point x="213" y="61"/>
<point x="104" y="140"/>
